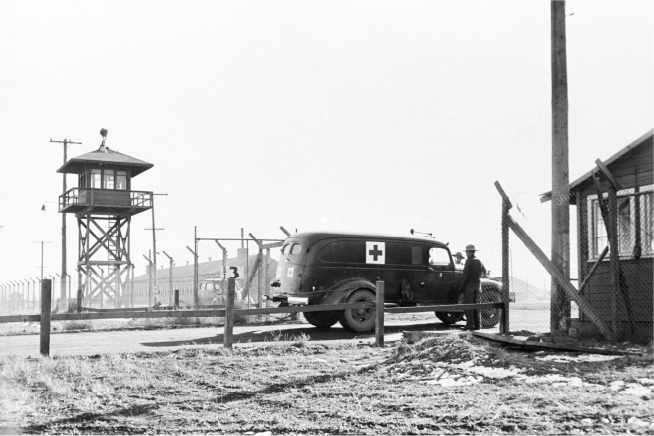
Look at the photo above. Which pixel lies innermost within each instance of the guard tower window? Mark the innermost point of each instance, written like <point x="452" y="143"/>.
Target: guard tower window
<point x="108" y="179"/>
<point x="96" y="181"/>
<point x="82" y="180"/>
<point x="121" y="179"/>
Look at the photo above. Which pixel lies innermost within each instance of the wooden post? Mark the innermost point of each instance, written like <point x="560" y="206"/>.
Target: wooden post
<point x="170" y="278"/>
<point x="266" y="280"/>
<point x="229" y="314"/>
<point x="560" y="305"/>
<point x="131" y="285"/>
<point x="260" y="284"/>
<point x="118" y="294"/>
<point x="614" y="260"/>
<point x="196" y="297"/>
<point x="149" y="259"/>
<point x="79" y="299"/>
<point x="506" y="205"/>
<point x="46" y="300"/>
<point x="176" y="302"/>
<point x="379" y="314"/>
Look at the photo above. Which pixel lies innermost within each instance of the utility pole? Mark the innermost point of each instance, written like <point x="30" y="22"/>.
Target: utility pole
<point x="154" y="242"/>
<point x="65" y="142"/>
<point x="34" y="282"/>
<point x="560" y="304"/>
<point x="195" y="269"/>
<point x="170" y="279"/>
<point x="222" y="282"/>
<point x="42" y="242"/>
<point x="149" y="279"/>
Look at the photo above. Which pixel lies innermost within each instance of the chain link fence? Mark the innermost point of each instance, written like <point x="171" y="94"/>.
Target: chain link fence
<point x="615" y="290"/>
<point x="255" y="274"/>
<point x="24" y="296"/>
<point x="256" y="271"/>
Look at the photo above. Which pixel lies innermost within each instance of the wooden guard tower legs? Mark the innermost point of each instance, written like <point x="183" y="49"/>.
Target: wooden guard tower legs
<point x="105" y="237"/>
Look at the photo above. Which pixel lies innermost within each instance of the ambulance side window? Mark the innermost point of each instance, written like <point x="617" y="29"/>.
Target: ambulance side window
<point x="416" y="256"/>
<point x="439" y="257"/>
<point x="402" y="253"/>
<point x="344" y="252"/>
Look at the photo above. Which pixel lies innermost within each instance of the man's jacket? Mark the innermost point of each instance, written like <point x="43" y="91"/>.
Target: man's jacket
<point x="472" y="271"/>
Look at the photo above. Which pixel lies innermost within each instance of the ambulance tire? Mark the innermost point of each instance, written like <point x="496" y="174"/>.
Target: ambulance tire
<point x="322" y="320"/>
<point x="359" y="320"/>
<point x="449" y="317"/>
<point x="490" y="317"/>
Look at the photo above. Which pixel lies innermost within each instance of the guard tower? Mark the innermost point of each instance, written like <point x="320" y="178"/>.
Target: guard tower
<point x="104" y="204"/>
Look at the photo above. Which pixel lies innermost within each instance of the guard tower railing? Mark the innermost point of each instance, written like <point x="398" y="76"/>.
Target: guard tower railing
<point x="76" y="199"/>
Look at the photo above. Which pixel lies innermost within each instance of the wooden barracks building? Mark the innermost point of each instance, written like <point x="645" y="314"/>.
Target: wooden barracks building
<point x="622" y="291"/>
<point x="209" y="280"/>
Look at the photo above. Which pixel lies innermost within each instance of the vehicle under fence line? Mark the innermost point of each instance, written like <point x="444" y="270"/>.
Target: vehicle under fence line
<point x="333" y="268"/>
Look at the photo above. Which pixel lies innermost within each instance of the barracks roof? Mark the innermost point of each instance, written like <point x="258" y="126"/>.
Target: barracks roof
<point x="547" y="196"/>
<point x="104" y="155"/>
<point x="183" y="274"/>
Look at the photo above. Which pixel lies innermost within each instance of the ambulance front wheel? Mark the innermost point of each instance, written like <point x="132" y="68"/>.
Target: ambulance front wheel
<point x="359" y="320"/>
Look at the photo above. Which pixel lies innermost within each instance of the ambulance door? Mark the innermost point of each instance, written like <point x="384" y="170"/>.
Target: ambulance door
<point x="441" y="280"/>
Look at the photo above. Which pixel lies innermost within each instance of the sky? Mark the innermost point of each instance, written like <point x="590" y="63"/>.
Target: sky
<point x="376" y="116"/>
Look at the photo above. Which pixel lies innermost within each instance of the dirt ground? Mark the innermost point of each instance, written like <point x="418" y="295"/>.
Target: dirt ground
<point x="450" y="384"/>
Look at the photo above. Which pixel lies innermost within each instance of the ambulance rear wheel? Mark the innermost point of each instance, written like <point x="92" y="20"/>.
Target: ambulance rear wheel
<point x="359" y="320"/>
<point x="321" y="320"/>
<point x="449" y="317"/>
<point x="490" y="317"/>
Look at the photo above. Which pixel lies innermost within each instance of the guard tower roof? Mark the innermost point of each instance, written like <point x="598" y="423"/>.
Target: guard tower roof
<point x="104" y="155"/>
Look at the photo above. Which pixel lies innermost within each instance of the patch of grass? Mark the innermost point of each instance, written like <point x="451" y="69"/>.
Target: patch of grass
<point x="76" y="325"/>
<point x="165" y="322"/>
<point x="294" y="386"/>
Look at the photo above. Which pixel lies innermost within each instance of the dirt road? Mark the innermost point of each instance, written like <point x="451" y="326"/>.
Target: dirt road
<point x="130" y="341"/>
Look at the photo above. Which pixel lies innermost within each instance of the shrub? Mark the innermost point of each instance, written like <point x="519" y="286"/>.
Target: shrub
<point x="76" y="325"/>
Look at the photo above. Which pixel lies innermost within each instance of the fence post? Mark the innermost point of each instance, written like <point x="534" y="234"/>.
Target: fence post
<point x="614" y="260"/>
<point x="506" y="205"/>
<point x="46" y="299"/>
<point x="379" y="314"/>
<point x="504" y="320"/>
<point x="79" y="300"/>
<point x="176" y="302"/>
<point x="229" y="314"/>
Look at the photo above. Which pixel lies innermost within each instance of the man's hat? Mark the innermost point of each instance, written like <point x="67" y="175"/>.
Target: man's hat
<point x="470" y="247"/>
<point x="458" y="254"/>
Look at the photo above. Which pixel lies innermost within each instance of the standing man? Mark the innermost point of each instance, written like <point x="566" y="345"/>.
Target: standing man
<point x="470" y="283"/>
<point x="458" y="260"/>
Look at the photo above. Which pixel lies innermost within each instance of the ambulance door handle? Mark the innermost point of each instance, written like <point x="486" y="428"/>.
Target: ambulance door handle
<point x="422" y="284"/>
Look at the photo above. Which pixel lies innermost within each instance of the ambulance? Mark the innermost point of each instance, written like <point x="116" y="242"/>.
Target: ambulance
<point x="323" y="268"/>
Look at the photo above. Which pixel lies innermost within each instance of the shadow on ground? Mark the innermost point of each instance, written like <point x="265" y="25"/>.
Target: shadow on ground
<point x="271" y="334"/>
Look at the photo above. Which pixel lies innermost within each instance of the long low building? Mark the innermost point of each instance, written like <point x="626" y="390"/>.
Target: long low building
<point x="210" y="281"/>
